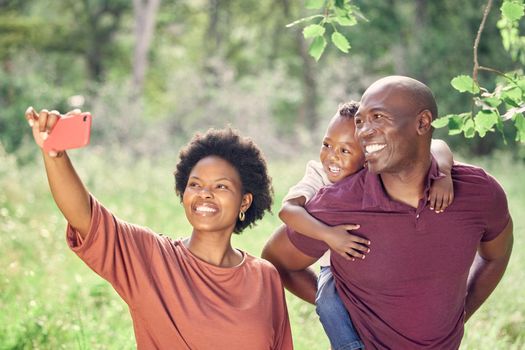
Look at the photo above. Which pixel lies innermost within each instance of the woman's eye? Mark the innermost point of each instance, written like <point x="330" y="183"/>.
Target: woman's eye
<point x="345" y="151"/>
<point x="222" y="187"/>
<point x="193" y="185"/>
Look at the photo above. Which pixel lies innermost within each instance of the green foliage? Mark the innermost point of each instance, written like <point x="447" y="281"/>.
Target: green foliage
<point x="336" y="14"/>
<point x="506" y="102"/>
<point x="52" y="300"/>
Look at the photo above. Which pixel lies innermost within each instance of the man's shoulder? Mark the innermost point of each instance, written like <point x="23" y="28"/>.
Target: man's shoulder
<point x="467" y="176"/>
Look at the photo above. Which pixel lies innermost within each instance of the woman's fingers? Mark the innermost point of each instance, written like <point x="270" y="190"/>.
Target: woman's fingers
<point x="31" y="116"/>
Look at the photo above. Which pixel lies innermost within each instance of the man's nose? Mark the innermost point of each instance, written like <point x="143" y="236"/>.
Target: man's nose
<point x="366" y="129"/>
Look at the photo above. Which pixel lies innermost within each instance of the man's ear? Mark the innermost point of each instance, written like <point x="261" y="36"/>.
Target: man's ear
<point x="424" y="122"/>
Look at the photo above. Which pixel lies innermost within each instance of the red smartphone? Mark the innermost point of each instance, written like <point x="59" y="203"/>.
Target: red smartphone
<point x="69" y="132"/>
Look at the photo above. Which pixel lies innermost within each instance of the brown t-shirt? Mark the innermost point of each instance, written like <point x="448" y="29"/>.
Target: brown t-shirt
<point x="178" y="301"/>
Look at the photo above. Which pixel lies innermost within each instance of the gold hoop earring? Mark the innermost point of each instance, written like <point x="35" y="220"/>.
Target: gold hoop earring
<point x="242" y="216"/>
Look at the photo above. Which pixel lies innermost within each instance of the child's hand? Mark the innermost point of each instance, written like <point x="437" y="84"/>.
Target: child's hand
<point x="346" y="244"/>
<point x="441" y="194"/>
<point x="42" y="123"/>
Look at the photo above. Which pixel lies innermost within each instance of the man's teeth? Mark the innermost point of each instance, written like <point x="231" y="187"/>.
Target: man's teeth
<point x="205" y="209"/>
<point x="374" y="148"/>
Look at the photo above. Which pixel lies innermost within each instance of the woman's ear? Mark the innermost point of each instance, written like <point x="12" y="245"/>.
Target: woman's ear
<point x="246" y="201"/>
<point x="424" y="122"/>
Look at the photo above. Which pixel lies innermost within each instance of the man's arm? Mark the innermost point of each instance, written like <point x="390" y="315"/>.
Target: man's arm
<point x="487" y="269"/>
<point x="292" y="265"/>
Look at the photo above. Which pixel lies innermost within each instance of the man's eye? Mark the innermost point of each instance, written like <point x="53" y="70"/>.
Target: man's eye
<point x="345" y="151"/>
<point x="326" y="145"/>
<point x="378" y="115"/>
<point x="222" y="187"/>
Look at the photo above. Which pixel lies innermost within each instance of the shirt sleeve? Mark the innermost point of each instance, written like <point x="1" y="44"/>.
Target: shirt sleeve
<point x="116" y="250"/>
<point x="313" y="179"/>
<point x="497" y="213"/>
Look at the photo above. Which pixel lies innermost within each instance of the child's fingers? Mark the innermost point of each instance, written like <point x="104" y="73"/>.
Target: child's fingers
<point x="432" y="201"/>
<point x="355" y="254"/>
<point x="439" y="205"/>
<point x="359" y="247"/>
<point x="346" y="256"/>
<point x="358" y="239"/>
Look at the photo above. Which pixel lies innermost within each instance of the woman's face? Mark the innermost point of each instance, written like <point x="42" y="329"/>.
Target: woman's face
<point x="213" y="196"/>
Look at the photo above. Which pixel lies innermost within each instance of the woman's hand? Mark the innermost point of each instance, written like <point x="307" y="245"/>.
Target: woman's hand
<point x="42" y="123"/>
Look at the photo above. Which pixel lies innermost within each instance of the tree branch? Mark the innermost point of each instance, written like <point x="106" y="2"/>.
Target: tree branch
<point x="478" y="37"/>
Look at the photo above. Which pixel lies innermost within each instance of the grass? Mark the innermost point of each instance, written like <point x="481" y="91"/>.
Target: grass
<point x="50" y="300"/>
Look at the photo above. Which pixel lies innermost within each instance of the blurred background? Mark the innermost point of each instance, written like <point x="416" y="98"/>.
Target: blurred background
<point x="153" y="73"/>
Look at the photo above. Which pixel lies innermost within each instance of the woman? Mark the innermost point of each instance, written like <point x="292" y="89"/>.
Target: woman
<point x="193" y="293"/>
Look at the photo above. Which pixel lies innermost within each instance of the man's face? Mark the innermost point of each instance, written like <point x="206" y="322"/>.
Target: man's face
<point x="386" y="128"/>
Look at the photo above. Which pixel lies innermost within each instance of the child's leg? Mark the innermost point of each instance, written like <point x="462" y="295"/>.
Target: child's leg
<point x="333" y="315"/>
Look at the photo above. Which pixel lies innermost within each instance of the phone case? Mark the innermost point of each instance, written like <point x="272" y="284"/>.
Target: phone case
<point x="69" y="132"/>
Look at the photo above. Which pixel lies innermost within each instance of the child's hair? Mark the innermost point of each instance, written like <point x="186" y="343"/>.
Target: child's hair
<point x="347" y="109"/>
<point x="243" y="154"/>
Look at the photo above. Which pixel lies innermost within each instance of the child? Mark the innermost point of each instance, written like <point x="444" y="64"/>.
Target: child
<point x="341" y="156"/>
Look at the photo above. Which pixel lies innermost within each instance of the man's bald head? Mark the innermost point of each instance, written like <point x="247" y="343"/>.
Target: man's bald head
<point x="416" y="95"/>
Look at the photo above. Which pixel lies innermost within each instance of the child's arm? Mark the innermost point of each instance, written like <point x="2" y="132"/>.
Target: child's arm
<point x="67" y="189"/>
<point x="337" y="238"/>
<point x="442" y="190"/>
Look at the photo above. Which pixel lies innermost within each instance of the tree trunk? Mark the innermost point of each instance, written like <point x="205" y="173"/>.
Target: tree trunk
<point x="145" y="13"/>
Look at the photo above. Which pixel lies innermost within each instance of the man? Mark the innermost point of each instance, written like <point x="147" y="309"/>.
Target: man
<point x="426" y="273"/>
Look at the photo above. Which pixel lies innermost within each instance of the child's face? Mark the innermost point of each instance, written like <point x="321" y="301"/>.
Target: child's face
<point x="340" y="154"/>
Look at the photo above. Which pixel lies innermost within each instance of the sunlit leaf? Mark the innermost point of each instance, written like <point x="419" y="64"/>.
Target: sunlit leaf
<point x="317" y="47"/>
<point x="519" y="122"/>
<point x="469" y="129"/>
<point x="340" y="42"/>
<point x="345" y="21"/>
<point x="314" y="4"/>
<point x="441" y="122"/>
<point x="313" y="30"/>
<point x="464" y="83"/>
<point x="512" y="10"/>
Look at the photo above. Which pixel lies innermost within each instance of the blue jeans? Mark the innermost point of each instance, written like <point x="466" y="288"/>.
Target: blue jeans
<point x="333" y="315"/>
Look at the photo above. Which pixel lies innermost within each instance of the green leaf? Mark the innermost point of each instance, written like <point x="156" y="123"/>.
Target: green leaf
<point x="456" y="122"/>
<point x="469" y="129"/>
<point x="340" y="3"/>
<point x="492" y="101"/>
<point x="515" y="94"/>
<point x="519" y="123"/>
<point x="314" y="4"/>
<point x="345" y="21"/>
<point x="512" y="10"/>
<point x="484" y="121"/>
<point x="340" y="42"/>
<point x="317" y="47"/>
<point x="464" y="83"/>
<point x="441" y="122"/>
<point x="313" y="30"/>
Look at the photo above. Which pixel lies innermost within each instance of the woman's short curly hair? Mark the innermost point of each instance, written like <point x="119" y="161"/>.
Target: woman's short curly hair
<point x="244" y="155"/>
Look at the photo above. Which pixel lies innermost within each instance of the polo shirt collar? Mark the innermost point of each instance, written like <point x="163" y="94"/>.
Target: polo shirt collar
<point x="375" y="196"/>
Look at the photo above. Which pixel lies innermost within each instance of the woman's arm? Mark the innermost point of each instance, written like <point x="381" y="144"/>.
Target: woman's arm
<point x="68" y="191"/>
